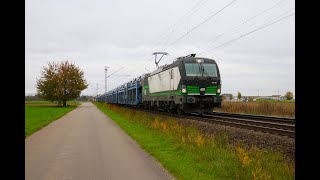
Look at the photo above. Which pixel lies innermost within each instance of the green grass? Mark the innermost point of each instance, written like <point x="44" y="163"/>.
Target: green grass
<point x="38" y="115"/>
<point x="188" y="154"/>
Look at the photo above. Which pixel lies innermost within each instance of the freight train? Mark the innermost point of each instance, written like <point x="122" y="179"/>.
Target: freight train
<point x="188" y="85"/>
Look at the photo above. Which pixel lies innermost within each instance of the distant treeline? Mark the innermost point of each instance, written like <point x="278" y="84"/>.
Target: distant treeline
<point x="33" y="98"/>
<point x="37" y="98"/>
<point x="85" y="98"/>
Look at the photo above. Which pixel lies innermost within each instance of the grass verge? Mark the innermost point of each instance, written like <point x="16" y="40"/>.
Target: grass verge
<point x="188" y="154"/>
<point x="39" y="115"/>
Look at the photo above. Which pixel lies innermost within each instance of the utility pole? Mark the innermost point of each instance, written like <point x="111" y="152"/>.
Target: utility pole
<point x="258" y="91"/>
<point x="105" y="82"/>
<point x="105" y="79"/>
<point x="97" y="89"/>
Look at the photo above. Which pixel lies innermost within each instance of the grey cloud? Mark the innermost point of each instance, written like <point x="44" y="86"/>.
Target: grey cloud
<point x="95" y="34"/>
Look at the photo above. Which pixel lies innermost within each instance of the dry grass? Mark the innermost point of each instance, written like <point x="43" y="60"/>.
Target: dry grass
<point x="284" y="109"/>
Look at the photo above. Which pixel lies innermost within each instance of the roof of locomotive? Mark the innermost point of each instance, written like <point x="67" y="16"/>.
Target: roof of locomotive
<point x="176" y="62"/>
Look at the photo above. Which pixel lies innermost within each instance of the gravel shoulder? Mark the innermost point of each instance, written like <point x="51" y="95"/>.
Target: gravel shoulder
<point x="246" y="137"/>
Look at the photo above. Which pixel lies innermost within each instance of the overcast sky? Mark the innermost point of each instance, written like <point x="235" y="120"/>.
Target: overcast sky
<point x="124" y="33"/>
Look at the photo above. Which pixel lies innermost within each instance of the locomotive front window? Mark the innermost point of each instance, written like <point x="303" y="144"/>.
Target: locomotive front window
<point x="210" y="70"/>
<point x="192" y="69"/>
<point x="201" y="69"/>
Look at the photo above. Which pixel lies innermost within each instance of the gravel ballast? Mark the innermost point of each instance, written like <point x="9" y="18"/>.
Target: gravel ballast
<point x="236" y="136"/>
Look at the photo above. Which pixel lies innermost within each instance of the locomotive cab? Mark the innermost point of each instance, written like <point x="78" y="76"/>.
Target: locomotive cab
<point x="200" y="85"/>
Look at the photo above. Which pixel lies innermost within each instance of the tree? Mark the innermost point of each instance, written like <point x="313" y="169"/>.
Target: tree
<point x="239" y="95"/>
<point x="61" y="82"/>
<point x="288" y="95"/>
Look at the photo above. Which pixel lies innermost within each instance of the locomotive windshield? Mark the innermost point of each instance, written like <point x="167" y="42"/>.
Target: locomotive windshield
<point x="201" y="69"/>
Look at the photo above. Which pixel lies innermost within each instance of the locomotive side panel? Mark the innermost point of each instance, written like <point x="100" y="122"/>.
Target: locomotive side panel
<point x="164" y="81"/>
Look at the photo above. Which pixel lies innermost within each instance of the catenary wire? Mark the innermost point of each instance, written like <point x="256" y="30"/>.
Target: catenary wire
<point x="241" y="36"/>
<point x="201" y="23"/>
<point x="137" y="67"/>
<point x="244" y="22"/>
<point x="169" y="35"/>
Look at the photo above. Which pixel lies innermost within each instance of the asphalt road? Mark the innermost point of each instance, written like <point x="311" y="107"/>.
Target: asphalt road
<point x="86" y="144"/>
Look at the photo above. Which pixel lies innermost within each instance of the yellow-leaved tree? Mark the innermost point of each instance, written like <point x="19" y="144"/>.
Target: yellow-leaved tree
<point x="61" y="82"/>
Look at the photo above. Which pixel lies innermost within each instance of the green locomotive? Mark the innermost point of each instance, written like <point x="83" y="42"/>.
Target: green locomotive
<point x="189" y="85"/>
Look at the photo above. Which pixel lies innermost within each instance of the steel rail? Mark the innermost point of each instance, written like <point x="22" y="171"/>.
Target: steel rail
<point x="258" y="122"/>
<point x="257" y="117"/>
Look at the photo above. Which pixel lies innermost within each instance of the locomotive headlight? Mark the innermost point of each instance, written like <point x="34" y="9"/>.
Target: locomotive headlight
<point x="184" y="89"/>
<point x="219" y="89"/>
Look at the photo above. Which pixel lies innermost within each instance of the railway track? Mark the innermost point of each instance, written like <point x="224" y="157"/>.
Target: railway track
<point x="277" y="126"/>
<point x="272" y="125"/>
<point x="257" y="117"/>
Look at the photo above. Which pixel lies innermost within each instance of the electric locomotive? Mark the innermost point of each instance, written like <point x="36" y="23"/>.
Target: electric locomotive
<point x="190" y="84"/>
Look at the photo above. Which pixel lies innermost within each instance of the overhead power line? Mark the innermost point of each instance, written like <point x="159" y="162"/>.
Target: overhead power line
<point x="244" y="22"/>
<point x="201" y="23"/>
<point x="241" y="36"/>
<point x="183" y="23"/>
<point x="115" y="72"/>
<point x="167" y="33"/>
<point x="168" y="30"/>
